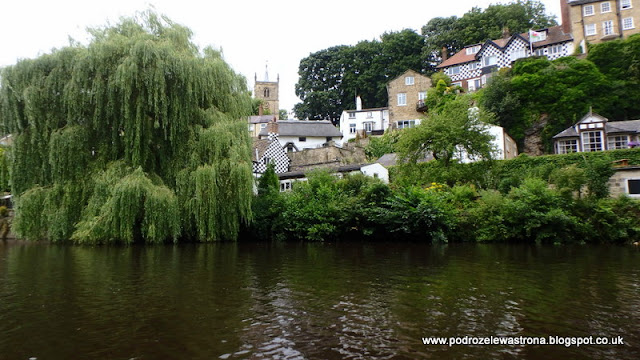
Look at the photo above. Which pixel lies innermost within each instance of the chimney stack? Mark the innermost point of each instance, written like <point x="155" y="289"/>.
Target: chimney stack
<point x="358" y="103"/>
<point x="444" y="53"/>
<point x="565" y="16"/>
<point x="272" y="126"/>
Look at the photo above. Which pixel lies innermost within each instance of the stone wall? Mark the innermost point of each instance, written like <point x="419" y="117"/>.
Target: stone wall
<point x="330" y="156"/>
<point x="618" y="182"/>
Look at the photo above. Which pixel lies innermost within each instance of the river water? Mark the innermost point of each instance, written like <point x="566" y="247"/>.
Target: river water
<point x="315" y="301"/>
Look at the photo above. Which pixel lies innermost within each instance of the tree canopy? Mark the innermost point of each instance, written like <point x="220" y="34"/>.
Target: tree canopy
<point x="140" y="126"/>
<point x="477" y="26"/>
<point x="330" y="79"/>
<point x="562" y="90"/>
<point x="457" y="131"/>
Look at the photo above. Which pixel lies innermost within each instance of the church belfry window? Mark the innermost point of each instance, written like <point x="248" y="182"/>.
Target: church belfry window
<point x="266" y="92"/>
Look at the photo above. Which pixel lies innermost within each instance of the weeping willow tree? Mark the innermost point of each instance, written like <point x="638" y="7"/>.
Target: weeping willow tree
<point x="137" y="136"/>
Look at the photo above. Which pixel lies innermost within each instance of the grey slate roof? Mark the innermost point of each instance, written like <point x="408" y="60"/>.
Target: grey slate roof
<point x="260" y="119"/>
<point x="308" y="128"/>
<point x="611" y="127"/>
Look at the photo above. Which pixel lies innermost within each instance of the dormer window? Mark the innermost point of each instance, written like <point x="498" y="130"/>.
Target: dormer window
<point x="473" y="49"/>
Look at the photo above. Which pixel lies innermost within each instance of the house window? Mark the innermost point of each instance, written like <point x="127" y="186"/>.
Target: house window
<point x="454" y="70"/>
<point x="627" y="23"/>
<point x="555" y="49"/>
<point x="518" y="53"/>
<point x="290" y="147"/>
<point x="633" y="186"/>
<point x="539" y="52"/>
<point x="457" y="83"/>
<point x="302" y="138"/>
<point x="590" y="29"/>
<point x="368" y="127"/>
<point x="263" y="126"/>
<point x="474" y="84"/>
<point x="285" y="185"/>
<point x="406" y="124"/>
<point x="473" y="49"/>
<point x="352" y="115"/>
<point x="605" y="7"/>
<point x="352" y="128"/>
<point x="588" y="10"/>
<point x="567" y="146"/>
<point x="592" y="141"/>
<point x="402" y="99"/>
<point x="369" y="115"/>
<point x="625" y="4"/>
<point x="617" y="142"/>
<point x="607" y="27"/>
<point x="266" y="160"/>
<point x="489" y="60"/>
<point x="422" y="95"/>
<point x="408" y="80"/>
<point x="474" y="65"/>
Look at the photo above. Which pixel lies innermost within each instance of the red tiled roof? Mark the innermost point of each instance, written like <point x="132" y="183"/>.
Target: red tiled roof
<point x="554" y="35"/>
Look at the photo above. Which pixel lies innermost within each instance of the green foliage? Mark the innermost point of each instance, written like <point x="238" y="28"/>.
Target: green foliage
<point x="5" y="177"/>
<point x="268" y="182"/>
<point x="453" y="133"/>
<point x="417" y="213"/>
<point x="564" y="89"/>
<point x="330" y="79"/>
<point x="477" y="26"/>
<point x="139" y="96"/>
<point x="618" y="61"/>
<point x="384" y="144"/>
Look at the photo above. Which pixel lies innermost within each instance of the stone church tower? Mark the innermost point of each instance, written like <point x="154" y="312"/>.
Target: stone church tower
<point x="267" y="91"/>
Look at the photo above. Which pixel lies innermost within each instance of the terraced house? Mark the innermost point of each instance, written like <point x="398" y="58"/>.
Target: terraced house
<point x="593" y="21"/>
<point x="472" y="66"/>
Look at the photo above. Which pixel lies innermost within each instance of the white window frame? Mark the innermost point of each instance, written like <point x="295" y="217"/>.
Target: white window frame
<point x="588" y="10"/>
<point x="626" y="184"/>
<point x="474" y="65"/>
<point x="402" y="99"/>
<point x="627" y="23"/>
<point x="473" y="49"/>
<point x="404" y="124"/>
<point x="368" y="126"/>
<point x="518" y="54"/>
<point x="352" y="128"/>
<point x="592" y="141"/>
<point x="454" y="70"/>
<point x="608" y="28"/>
<point x="625" y="4"/>
<point x="555" y="49"/>
<point x="605" y="7"/>
<point x="617" y="142"/>
<point x="489" y="60"/>
<point x="457" y="83"/>
<point x="567" y="146"/>
<point x="352" y="115"/>
<point x="409" y="80"/>
<point x="539" y="52"/>
<point x="422" y="95"/>
<point x="590" y="30"/>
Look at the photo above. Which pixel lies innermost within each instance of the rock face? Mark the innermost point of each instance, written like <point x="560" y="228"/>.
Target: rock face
<point x="533" y="144"/>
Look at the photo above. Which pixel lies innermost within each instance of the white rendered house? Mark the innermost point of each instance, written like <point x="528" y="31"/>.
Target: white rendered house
<point x="363" y="122"/>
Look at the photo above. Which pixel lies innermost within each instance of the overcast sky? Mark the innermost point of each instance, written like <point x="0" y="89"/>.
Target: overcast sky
<point x="250" y="33"/>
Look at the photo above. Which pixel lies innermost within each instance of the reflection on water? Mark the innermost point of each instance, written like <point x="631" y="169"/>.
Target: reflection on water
<point x="313" y="301"/>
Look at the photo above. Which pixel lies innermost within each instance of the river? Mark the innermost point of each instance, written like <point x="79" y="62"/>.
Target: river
<point x="315" y="301"/>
